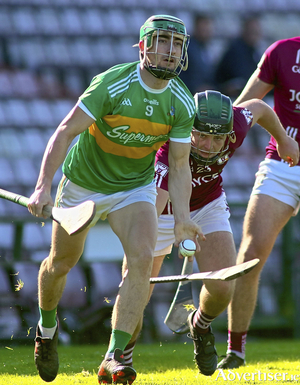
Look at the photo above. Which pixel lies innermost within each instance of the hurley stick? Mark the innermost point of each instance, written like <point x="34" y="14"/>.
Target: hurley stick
<point x="226" y="274"/>
<point x="182" y="304"/>
<point x="73" y="220"/>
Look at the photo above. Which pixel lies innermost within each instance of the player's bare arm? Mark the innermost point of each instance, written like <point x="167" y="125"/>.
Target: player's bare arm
<point x="75" y="122"/>
<point x="180" y="180"/>
<point x="265" y="116"/>
<point x="255" y="88"/>
<point x="180" y="189"/>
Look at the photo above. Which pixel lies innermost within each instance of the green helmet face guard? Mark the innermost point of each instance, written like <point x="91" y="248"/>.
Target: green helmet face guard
<point x="214" y="116"/>
<point x="156" y="26"/>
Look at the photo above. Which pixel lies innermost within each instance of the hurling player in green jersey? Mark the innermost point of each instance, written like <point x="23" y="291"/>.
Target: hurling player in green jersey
<point x="122" y="119"/>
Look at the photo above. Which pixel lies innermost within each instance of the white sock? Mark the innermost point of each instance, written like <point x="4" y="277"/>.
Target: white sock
<point x="47" y="332"/>
<point x="239" y="354"/>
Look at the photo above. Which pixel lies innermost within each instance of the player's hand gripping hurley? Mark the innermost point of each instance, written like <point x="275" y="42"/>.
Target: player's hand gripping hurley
<point x="73" y="220"/>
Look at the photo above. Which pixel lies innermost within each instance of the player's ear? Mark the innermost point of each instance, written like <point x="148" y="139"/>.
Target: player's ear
<point x="141" y="45"/>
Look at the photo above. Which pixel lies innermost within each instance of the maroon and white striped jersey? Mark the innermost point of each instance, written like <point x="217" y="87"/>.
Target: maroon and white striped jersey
<point x="206" y="180"/>
<point x="280" y="66"/>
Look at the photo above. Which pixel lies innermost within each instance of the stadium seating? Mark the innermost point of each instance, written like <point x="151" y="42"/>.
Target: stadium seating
<point x="10" y="320"/>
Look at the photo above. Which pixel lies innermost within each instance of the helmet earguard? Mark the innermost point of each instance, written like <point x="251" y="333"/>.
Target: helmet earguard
<point x="214" y="116"/>
<point x="155" y="26"/>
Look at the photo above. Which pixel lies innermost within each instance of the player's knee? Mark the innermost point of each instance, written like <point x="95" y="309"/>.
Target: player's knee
<point x="250" y="250"/>
<point x="223" y="290"/>
<point x="61" y="266"/>
<point x="140" y="263"/>
<point x="226" y="290"/>
<point x="249" y="255"/>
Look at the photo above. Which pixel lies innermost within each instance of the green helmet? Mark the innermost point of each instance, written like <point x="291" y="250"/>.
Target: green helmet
<point x="214" y="116"/>
<point x="154" y="26"/>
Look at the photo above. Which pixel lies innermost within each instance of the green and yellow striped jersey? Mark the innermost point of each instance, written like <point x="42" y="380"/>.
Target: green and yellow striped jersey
<point x="132" y="121"/>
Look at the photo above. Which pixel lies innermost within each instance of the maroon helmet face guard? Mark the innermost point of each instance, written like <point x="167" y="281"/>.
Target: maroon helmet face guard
<point x="209" y="155"/>
<point x="214" y="116"/>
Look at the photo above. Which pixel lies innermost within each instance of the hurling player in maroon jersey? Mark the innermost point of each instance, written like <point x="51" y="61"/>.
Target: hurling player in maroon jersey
<point x="219" y="129"/>
<point x="276" y="190"/>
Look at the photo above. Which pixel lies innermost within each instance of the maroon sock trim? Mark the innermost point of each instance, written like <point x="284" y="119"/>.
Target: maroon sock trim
<point x="237" y="341"/>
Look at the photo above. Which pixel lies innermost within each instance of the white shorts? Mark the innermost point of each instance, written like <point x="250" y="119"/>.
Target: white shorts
<point x="278" y="180"/>
<point x="211" y="218"/>
<point x="70" y="194"/>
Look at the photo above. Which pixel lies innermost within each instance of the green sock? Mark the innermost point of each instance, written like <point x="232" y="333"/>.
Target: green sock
<point x="48" y="318"/>
<point x="119" y="340"/>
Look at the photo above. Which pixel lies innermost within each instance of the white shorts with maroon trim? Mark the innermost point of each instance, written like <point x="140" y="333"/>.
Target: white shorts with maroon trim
<point x="278" y="180"/>
<point x="70" y="194"/>
<point x="211" y="218"/>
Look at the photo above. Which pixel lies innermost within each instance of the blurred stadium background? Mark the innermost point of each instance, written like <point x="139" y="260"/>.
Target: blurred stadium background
<point x="49" y="52"/>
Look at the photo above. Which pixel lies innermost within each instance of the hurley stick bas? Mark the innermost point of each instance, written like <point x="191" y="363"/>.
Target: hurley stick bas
<point x="226" y="274"/>
<point x="182" y="304"/>
<point x="73" y="220"/>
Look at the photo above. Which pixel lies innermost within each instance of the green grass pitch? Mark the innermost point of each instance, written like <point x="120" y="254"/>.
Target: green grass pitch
<point x="161" y="363"/>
